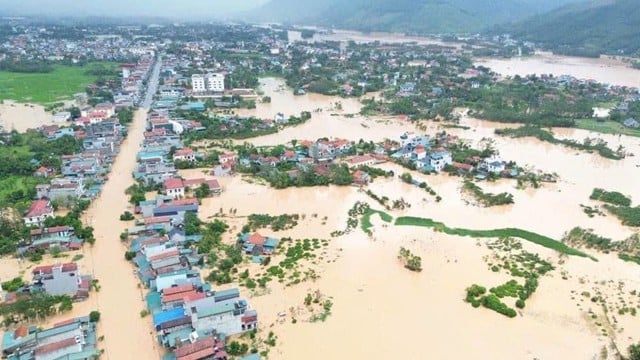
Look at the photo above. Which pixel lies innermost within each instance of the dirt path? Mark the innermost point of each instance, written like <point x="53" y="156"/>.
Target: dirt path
<point x="120" y="300"/>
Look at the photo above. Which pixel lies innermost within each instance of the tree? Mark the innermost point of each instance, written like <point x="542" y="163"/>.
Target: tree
<point x="634" y="352"/>
<point x="94" y="316"/>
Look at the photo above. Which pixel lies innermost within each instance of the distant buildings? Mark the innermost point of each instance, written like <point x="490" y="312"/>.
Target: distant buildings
<point x="207" y="83"/>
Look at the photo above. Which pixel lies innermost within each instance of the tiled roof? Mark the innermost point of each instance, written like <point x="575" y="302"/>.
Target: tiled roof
<point x="39" y="208"/>
<point x="184" y="352"/>
<point x="173" y="183"/>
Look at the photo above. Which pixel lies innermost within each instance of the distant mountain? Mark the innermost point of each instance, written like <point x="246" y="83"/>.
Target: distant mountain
<point x="412" y="16"/>
<point x="610" y="26"/>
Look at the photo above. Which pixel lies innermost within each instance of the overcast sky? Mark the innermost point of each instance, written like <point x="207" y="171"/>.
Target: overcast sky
<point x="163" y="8"/>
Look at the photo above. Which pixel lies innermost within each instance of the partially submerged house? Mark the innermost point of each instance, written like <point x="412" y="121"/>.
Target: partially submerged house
<point x="61" y="279"/>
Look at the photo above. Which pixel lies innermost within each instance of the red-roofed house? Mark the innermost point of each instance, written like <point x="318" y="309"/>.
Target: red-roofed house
<point x="38" y="212"/>
<point x="186" y="154"/>
<point x="364" y="160"/>
<point x="227" y="157"/>
<point x="174" y="187"/>
<point x="207" y="348"/>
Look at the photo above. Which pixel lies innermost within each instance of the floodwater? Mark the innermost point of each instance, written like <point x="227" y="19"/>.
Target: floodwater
<point x="22" y="117"/>
<point x="326" y="120"/>
<point x="605" y="70"/>
<point x="120" y="298"/>
<point x="380" y="308"/>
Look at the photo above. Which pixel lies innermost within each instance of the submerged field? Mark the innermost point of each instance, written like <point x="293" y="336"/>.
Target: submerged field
<point x="43" y="88"/>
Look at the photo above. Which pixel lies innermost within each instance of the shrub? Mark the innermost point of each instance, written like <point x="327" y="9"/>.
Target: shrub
<point x="94" y="316"/>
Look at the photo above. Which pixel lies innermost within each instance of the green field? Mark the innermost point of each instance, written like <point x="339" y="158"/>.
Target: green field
<point x="45" y="88"/>
<point x="496" y="233"/>
<point x="606" y="127"/>
<point x="15" y="191"/>
<point x="366" y="219"/>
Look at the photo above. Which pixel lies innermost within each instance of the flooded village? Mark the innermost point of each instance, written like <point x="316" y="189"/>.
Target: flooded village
<point x="255" y="193"/>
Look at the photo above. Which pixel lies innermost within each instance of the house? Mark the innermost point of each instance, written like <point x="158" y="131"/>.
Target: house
<point x="201" y="349"/>
<point x="65" y="189"/>
<point x="38" y="212"/>
<point x="280" y="119"/>
<point x="256" y="244"/>
<point x="175" y="297"/>
<point x="227" y="157"/>
<point x="439" y="159"/>
<point x="46" y="238"/>
<point x="631" y="123"/>
<point x="44" y="172"/>
<point x="493" y="165"/>
<point x="174" y="187"/>
<point x="186" y="154"/>
<point x="61" y="279"/>
<point x="73" y="339"/>
<point x="364" y="160"/>
<point x="214" y="185"/>
<point x="419" y="153"/>
<point x="176" y="207"/>
<point x="61" y="116"/>
<point x="228" y="317"/>
<point x="462" y="167"/>
<point x="361" y="178"/>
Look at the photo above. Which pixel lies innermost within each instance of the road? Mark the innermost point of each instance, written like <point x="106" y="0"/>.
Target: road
<point x="120" y="299"/>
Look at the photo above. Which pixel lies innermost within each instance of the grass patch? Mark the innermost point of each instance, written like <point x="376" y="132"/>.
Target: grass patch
<point x="43" y="88"/>
<point x="18" y="191"/>
<point x="365" y="222"/>
<point x="495" y="233"/>
<point x="606" y="127"/>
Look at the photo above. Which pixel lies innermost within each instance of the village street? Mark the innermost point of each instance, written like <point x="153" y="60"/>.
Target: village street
<point x="127" y="335"/>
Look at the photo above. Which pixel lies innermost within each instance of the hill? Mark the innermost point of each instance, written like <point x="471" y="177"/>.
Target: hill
<point x="411" y="16"/>
<point x="590" y="28"/>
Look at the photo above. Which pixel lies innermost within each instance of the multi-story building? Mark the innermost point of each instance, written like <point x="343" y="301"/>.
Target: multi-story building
<point x="207" y="83"/>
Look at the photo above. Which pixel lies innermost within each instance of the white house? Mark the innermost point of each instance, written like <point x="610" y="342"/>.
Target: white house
<point x="174" y="187"/>
<point x="62" y="116"/>
<point x="438" y="160"/>
<point x="186" y="154"/>
<point x="39" y="211"/>
<point x="493" y="165"/>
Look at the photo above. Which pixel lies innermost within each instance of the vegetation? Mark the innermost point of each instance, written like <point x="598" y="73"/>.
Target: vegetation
<point x="496" y="233"/>
<point x="584" y="29"/>
<point x="590" y="145"/>
<point x="629" y="216"/>
<point x="126" y="216"/>
<point x="94" y="316"/>
<point x="611" y="197"/>
<point x="401" y="16"/>
<point x="366" y="219"/>
<point x="410" y="261"/>
<point x="47" y="87"/>
<point x="276" y="223"/>
<point x="34" y="307"/>
<point x="627" y="249"/>
<point x="13" y="284"/>
<point x="487" y="199"/>
<point x="335" y="174"/>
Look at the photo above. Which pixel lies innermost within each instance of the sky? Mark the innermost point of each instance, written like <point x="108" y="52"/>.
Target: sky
<point x="152" y="8"/>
